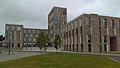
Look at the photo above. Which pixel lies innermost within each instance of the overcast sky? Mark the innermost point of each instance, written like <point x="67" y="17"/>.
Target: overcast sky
<point x="34" y="13"/>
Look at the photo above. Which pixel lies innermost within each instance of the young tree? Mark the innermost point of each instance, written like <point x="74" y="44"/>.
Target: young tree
<point x="41" y="40"/>
<point x="57" y="42"/>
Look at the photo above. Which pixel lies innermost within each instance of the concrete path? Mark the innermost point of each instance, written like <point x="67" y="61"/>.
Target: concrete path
<point x="5" y="57"/>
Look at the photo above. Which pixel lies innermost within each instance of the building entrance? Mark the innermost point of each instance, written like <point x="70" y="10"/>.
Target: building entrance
<point x="113" y="44"/>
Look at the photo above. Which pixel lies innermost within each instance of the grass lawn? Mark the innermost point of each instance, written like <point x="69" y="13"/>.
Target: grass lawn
<point x="61" y="61"/>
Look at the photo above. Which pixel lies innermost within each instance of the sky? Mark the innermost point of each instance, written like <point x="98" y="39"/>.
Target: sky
<point x="34" y="13"/>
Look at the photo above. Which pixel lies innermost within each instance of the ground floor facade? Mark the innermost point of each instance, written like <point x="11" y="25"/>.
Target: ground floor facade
<point x="112" y="44"/>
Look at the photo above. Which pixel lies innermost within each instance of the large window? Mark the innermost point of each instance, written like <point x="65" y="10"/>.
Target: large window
<point x="89" y="38"/>
<point x="112" y="23"/>
<point x="25" y="39"/>
<point x="56" y="18"/>
<point x="99" y="30"/>
<point x="81" y="38"/>
<point x="88" y="21"/>
<point x="81" y="30"/>
<point x="64" y="12"/>
<point x="76" y="31"/>
<point x="73" y="32"/>
<point x="18" y="28"/>
<point x="89" y="30"/>
<point x="100" y="39"/>
<point x="80" y="21"/>
<point x="77" y="39"/>
<point x="105" y="30"/>
<point x="69" y="33"/>
<point x="113" y="31"/>
<point x="105" y="39"/>
<point x="119" y="23"/>
<point x="99" y="21"/>
<point x="104" y="22"/>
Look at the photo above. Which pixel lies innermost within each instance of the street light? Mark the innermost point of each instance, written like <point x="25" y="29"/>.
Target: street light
<point x="9" y="41"/>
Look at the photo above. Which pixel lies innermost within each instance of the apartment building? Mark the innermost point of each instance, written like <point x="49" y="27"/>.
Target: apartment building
<point x="19" y="37"/>
<point x="86" y="33"/>
<point x="30" y="36"/>
<point x="14" y="35"/>
<point x="57" y="18"/>
<point x="92" y="33"/>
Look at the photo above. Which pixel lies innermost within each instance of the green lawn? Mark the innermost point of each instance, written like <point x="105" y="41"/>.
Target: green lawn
<point x="61" y="61"/>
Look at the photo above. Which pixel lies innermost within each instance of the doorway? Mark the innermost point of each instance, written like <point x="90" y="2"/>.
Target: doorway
<point x="89" y="47"/>
<point x="81" y="47"/>
<point x="113" y="44"/>
<point x="77" y="47"/>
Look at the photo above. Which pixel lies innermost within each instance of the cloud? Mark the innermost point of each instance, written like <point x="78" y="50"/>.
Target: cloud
<point x="34" y="13"/>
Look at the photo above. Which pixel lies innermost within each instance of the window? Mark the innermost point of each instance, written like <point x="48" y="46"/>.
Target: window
<point x="64" y="12"/>
<point x="25" y="31"/>
<point x="25" y="44"/>
<point x="69" y="33"/>
<point x="119" y="31"/>
<point x="76" y="31"/>
<point x="88" y="21"/>
<point x="81" y="30"/>
<point x="81" y="38"/>
<point x="104" y="22"/>
<point x="56" y="18"/>
<point x="65" y="19"/>
<point x="73" y="32"/>
<point x="114" y="31"/>
<point x="77" y="39"/>
<point x="66" y="40"/>
<point x="80" y="21"/>
<point x="14" y="32"/>
<point x="18" y="44"/>
<point x="89" y="30"/>
<point x="29" y="31"/>
<point x="105" y="39"/>
<point x="119" y="23"/>
<point x="72" y="40"/>
<point x="14" y="37"/>
<point x="18" y="28"/>
<point x="31" y="35"/>
<point x="75" y="23"/>
<point x="99" y="21"/>
<point x="89" y="38"/>
<point x="25" y="39"/>
<point x="13" y="45"/>
<point x="100" y="39"/>
<point x="105" y="30"/>
<point x="99" y="30"/>
<point x="112" y="23"/>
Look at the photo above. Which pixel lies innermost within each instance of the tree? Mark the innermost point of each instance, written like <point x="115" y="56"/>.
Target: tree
<point x="57" y="42"/>
<point x="1" y="39"/>
<point x="41" y="40"/>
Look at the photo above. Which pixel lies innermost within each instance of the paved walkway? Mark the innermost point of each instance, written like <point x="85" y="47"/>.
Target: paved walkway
<point x="5" y="57"/>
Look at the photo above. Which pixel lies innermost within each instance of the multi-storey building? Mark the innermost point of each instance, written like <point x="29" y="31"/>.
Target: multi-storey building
<point x="92" y="33"/>
<point x="14" y="35"/>
<point x="86" y="33"/>
<point x="30" y="36"/>
<point x="57" y="18"/>
<point x="19" y="37"/>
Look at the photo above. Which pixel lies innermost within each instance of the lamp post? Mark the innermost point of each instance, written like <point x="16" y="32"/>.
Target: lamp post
<point x="9" y="41"/>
